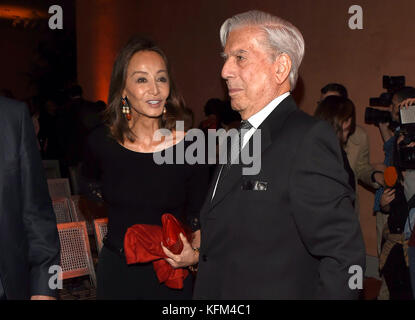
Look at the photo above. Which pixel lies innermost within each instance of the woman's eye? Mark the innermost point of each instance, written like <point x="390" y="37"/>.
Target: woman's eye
<point x="141" y="80"/>
<point x="163" y="79"/>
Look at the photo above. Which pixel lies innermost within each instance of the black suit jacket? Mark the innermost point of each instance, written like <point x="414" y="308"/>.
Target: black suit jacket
<point x="29" y="242"/>
<point x="296" y="235"/>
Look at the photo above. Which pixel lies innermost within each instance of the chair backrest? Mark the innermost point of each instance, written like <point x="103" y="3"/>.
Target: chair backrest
<point x="101" y="228"/>
<point x="62" y="210"/>
<point x="76" y="258"/>
<point x="74" y="179"/>
<point x="59" y="188"/>
<point x="52" y="169"/>
<point x="79" y="213"/>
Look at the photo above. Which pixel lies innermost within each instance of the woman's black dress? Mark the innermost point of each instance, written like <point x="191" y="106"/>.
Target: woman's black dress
<point x="137" y="190"/>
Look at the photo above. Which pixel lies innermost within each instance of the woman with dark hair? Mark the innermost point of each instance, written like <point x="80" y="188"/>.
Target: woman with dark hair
<point x="340" y="113"/>
<point x="120" y="159"/>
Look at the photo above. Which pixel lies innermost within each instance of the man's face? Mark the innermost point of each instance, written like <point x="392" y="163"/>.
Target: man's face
<point x="249" y="71"/>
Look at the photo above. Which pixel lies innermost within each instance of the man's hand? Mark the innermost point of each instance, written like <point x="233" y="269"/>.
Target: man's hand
<point x="387" y="197"/>
<point x="406" y="103"/>
<point x="379" y="178"/>
<point x="42" y="298"/>
<point x="187" y="257"/>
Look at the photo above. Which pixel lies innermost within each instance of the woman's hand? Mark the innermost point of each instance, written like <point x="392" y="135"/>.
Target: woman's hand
<point x="187" y="257"/>
<point x="387" y="197"/>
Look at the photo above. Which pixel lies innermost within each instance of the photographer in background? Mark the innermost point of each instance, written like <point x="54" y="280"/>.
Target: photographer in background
<point x="356" y="148"/>
<point x="408" y="231"/>
<point x="396" y="201"/>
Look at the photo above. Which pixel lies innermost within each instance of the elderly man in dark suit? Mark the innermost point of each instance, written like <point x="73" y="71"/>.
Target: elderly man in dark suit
<point x="29" y="243"/>
<point x="288" y="232"/>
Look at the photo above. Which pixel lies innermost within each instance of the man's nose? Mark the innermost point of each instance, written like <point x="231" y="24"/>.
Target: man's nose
<point x="227" y="69"/>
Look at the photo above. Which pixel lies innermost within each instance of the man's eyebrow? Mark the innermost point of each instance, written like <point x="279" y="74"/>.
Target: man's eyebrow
<point x="233" y="53"/>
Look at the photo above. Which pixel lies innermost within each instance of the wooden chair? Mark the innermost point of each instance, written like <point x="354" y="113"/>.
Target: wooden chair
<point x="62" y="210"/>
<point x="59" y="188"/>
<point x="81" y="213"/>
<point x="76" y="258"/>
<point x="101" y="228"/>
<point x="52" y="169"/>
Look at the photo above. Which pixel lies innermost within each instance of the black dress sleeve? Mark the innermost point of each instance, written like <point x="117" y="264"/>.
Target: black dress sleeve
<point x="196" y="190"/>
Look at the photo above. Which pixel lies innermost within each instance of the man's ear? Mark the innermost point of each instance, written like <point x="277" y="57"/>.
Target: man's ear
<point x="282" y="67"/>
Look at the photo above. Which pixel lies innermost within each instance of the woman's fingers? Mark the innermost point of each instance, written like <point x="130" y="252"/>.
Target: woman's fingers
<point x="184" y="240"/>
<point x="168" y="253"/>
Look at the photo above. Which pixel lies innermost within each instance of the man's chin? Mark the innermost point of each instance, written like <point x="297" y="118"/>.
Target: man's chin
<point x="236" y="105"/>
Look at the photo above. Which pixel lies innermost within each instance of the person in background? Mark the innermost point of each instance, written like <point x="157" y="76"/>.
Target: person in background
<point x="409" y="225"/>
<point x="29" y="242"/>
<point x="340" y="113"/>
<point x="212" y="110"/>
<point x="390" y="133"/>
<point x="356" y="148"/>
<point x="189" y="119"/>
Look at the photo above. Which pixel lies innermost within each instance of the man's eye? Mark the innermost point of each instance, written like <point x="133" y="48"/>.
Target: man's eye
<point x="141" y="80"/>
<point x="240" y="58"/>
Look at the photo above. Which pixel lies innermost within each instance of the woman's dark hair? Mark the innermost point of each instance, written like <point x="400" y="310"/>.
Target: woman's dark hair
<point x="113" y="115"/>
<point x="336" y="110"/>
<point x="335" y="87"/>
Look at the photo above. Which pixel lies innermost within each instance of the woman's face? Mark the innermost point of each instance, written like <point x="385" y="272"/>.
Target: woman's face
<point x="346" y="129"/>
<point x="147" y="84"/>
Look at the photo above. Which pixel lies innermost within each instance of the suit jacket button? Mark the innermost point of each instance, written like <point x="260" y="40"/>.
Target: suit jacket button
<point x="204" y="258"/>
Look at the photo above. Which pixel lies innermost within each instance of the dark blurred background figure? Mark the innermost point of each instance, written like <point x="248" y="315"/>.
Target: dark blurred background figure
<point x="340" y="113"/>
<point x="49" y="128"/>
<point x="333" y="89"/>
<point x="228" y="118"/>
<point x="356" y="147"/>
<point x="212" y="110"/>
<point x="79" y="118"/>
<point x="189" y="119"/>
<point x="7" y="93"/>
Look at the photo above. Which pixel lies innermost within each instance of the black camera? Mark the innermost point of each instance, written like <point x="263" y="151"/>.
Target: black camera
<point x="391" y="84"/>
<point x="375" y="116"/>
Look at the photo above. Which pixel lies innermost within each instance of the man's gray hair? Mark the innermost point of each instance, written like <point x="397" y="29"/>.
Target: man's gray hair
<point x="282" y="36"/>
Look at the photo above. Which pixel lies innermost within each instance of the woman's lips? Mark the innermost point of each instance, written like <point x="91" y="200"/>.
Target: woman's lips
<point x="154" y="103"/>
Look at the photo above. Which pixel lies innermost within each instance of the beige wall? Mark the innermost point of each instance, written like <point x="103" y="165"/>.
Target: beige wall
<point x="188" y="32"/>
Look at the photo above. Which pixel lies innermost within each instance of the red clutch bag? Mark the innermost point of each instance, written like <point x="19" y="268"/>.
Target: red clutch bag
<point x="142" y="244"/>
<point x="171" y="230"/>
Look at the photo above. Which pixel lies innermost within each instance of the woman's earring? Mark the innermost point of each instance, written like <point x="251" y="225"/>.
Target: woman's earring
<point x="126" y="110"/>
<point x="164" y="110"/>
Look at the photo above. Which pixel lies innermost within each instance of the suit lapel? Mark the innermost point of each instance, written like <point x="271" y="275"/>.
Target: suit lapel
<point x="269" y="129"/>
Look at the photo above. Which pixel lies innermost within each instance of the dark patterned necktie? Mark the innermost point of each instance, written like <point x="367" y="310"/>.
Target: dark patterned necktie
<point x="235" y="147"/>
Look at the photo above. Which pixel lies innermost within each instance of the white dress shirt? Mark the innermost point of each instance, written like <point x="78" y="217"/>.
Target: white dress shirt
<point x="256" y="120"/>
